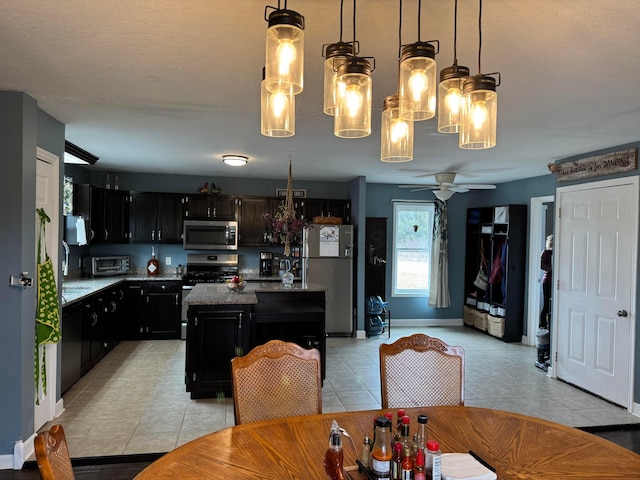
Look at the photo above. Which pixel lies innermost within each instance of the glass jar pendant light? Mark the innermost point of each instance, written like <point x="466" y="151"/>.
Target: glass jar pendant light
<point x="417" y="86"/>
<point x="353" y="107"/>
<point x="277" y="112"/>
<point x="396" y="133"/>
<point x="284" y="64"/>
<point x="352" y="117"/>
<point x="417" y="82"/>
<point x="450" y="88"/>
<point x="479" y="105"/>
<point x="479" y="113"/>
<point x="336" y="54"/>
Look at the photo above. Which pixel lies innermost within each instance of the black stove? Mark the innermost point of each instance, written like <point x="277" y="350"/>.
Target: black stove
<point x="210" y="268"/>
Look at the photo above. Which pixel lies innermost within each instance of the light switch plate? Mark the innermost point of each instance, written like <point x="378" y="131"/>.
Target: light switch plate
<point x="167" y="260"/>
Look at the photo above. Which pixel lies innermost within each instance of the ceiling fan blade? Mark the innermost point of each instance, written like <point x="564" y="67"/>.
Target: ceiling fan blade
<point x="478" y="186"/>
<point x="459" y="188"/>
<point x="423" y="186"/>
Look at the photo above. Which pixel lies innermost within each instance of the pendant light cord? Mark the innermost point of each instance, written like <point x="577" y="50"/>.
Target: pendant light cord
<point x="353" y="47"/>
<point x="479" y="37"/>
<point x="455" y="33"/>
<point x="341" y="13"/>
<point x="400" y="32"/>
<point x="419" y="19"/>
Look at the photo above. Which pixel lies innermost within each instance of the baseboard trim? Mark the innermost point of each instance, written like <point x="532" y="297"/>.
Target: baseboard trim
<point x="106" y="460"/>
<point x="426" y="322"/>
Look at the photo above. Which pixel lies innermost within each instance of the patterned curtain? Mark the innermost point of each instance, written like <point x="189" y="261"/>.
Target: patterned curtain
<point x="439" y="281"/>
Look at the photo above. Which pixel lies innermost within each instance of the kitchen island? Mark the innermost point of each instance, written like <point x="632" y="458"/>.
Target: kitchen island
<point x="223" y="324"/>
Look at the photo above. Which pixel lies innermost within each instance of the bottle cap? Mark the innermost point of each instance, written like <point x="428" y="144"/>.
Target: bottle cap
<point x="389" y="415"/>
<point x="422" y="419"/>
<point x="382" y="422"/>
<point x="401" y="412"/>
<point x="433" y="445"/>
<point x="405" y="420"/>
<point x="419" y="458"/>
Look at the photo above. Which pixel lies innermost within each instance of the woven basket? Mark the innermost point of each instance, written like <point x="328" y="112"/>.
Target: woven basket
<point x="327" y="220"/>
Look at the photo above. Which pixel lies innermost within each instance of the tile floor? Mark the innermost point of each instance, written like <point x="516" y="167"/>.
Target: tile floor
<point x="134" y="400"/>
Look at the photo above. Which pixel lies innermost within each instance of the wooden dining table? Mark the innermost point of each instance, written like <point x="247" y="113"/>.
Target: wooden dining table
<point x="516" y="446"/>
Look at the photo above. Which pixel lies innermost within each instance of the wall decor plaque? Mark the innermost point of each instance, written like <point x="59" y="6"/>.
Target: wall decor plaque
<point x="596" y="166"/>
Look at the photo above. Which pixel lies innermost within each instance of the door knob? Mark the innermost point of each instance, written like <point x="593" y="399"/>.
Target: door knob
<point x="623" y="313"/>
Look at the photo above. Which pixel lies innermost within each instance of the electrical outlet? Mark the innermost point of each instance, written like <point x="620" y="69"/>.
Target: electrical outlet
<point x="167" y="260"/>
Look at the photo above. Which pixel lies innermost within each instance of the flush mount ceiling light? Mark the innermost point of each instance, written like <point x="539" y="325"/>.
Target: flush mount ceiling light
<point x="77" y="156"/>
<point x="284" y="62"/>
<point x="479" y="105"/>
<point x="334" y="54"/>
<point x="353" y="104"/>
<point x="235" y="160"/>
<point x="277" y="112"/>
<point x="417" y="86"/>
<point x="450" y="88"/>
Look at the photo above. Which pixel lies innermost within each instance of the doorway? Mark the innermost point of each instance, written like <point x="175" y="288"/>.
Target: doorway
<point x="541" y="225"/>
<point x="47" y="197"/>
<point x="595" y="288"/>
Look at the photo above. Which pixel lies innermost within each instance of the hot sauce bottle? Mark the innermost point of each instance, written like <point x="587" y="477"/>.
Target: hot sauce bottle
<point x="381" y="452"/>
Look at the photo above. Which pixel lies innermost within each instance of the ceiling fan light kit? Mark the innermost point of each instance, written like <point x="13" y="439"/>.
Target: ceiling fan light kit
<point x="444" y="188"/>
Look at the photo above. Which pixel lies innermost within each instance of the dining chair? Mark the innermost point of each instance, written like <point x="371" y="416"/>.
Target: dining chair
<point x="420" y="371"/>
<point x="52" y="454"/>
<point x="276" y="379"/>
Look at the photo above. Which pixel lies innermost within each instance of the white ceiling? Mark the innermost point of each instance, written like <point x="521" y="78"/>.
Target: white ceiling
<point x="168" y="86"/>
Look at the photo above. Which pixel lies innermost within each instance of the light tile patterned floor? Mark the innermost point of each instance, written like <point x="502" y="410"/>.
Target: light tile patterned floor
<point x="134" y="400"/>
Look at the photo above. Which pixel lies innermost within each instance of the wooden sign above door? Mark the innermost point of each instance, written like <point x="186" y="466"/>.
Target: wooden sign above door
<point x="597" y="166"/>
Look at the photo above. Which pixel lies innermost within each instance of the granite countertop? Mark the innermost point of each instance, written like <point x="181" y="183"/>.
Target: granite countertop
<point x="219" y="294"/>
<point x="77" y="288"/>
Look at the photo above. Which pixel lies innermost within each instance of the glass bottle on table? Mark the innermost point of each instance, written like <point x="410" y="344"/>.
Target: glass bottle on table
<point x="396" y="462"/>
<point x="433" y="458"/>
<point x="421" y="438"/>
<point x="381" y="452"/>
<point x="419" y="471"/>
<point x="407" y="463"/>
<point x="398" y="432"/>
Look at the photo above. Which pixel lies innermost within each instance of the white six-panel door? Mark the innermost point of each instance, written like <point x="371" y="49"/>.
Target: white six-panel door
<point x="595" y="279"/>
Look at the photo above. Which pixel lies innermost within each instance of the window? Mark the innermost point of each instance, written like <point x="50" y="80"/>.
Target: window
<point x="412" y="232"/>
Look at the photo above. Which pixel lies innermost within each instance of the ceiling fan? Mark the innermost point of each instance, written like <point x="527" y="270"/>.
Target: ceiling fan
<point x="445" y="188"/>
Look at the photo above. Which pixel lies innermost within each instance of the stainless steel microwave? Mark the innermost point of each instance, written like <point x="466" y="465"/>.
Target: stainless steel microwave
<point x="210" y="235"/>
<point x="105" y="266"/>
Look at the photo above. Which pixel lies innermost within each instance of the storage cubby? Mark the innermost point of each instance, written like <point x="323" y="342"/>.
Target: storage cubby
<point x="499" y="234"/>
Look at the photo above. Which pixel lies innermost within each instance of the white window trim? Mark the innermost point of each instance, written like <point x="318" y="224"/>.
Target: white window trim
<point x="418" y="203"/>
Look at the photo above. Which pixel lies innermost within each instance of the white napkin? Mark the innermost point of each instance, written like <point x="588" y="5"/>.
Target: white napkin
<point x="462" y="466"/>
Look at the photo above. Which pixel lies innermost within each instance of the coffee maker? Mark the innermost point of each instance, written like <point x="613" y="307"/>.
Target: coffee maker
<point x="266" y="263"/>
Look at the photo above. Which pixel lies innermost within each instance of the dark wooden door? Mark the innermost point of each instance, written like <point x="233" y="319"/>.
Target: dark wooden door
<point x="164" y="309"/>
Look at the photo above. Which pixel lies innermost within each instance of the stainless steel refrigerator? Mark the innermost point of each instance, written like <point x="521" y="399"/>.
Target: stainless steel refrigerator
<point x="327" y="260"/>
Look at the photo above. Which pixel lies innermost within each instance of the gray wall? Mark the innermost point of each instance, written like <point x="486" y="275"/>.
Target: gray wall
<point x="22" y="127"/>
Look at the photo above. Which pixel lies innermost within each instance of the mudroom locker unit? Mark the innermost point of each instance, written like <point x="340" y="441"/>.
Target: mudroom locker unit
<point x="495" y="265"/>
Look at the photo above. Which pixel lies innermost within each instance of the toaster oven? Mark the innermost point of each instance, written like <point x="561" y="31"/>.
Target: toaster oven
<point x="105" y="266"/>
